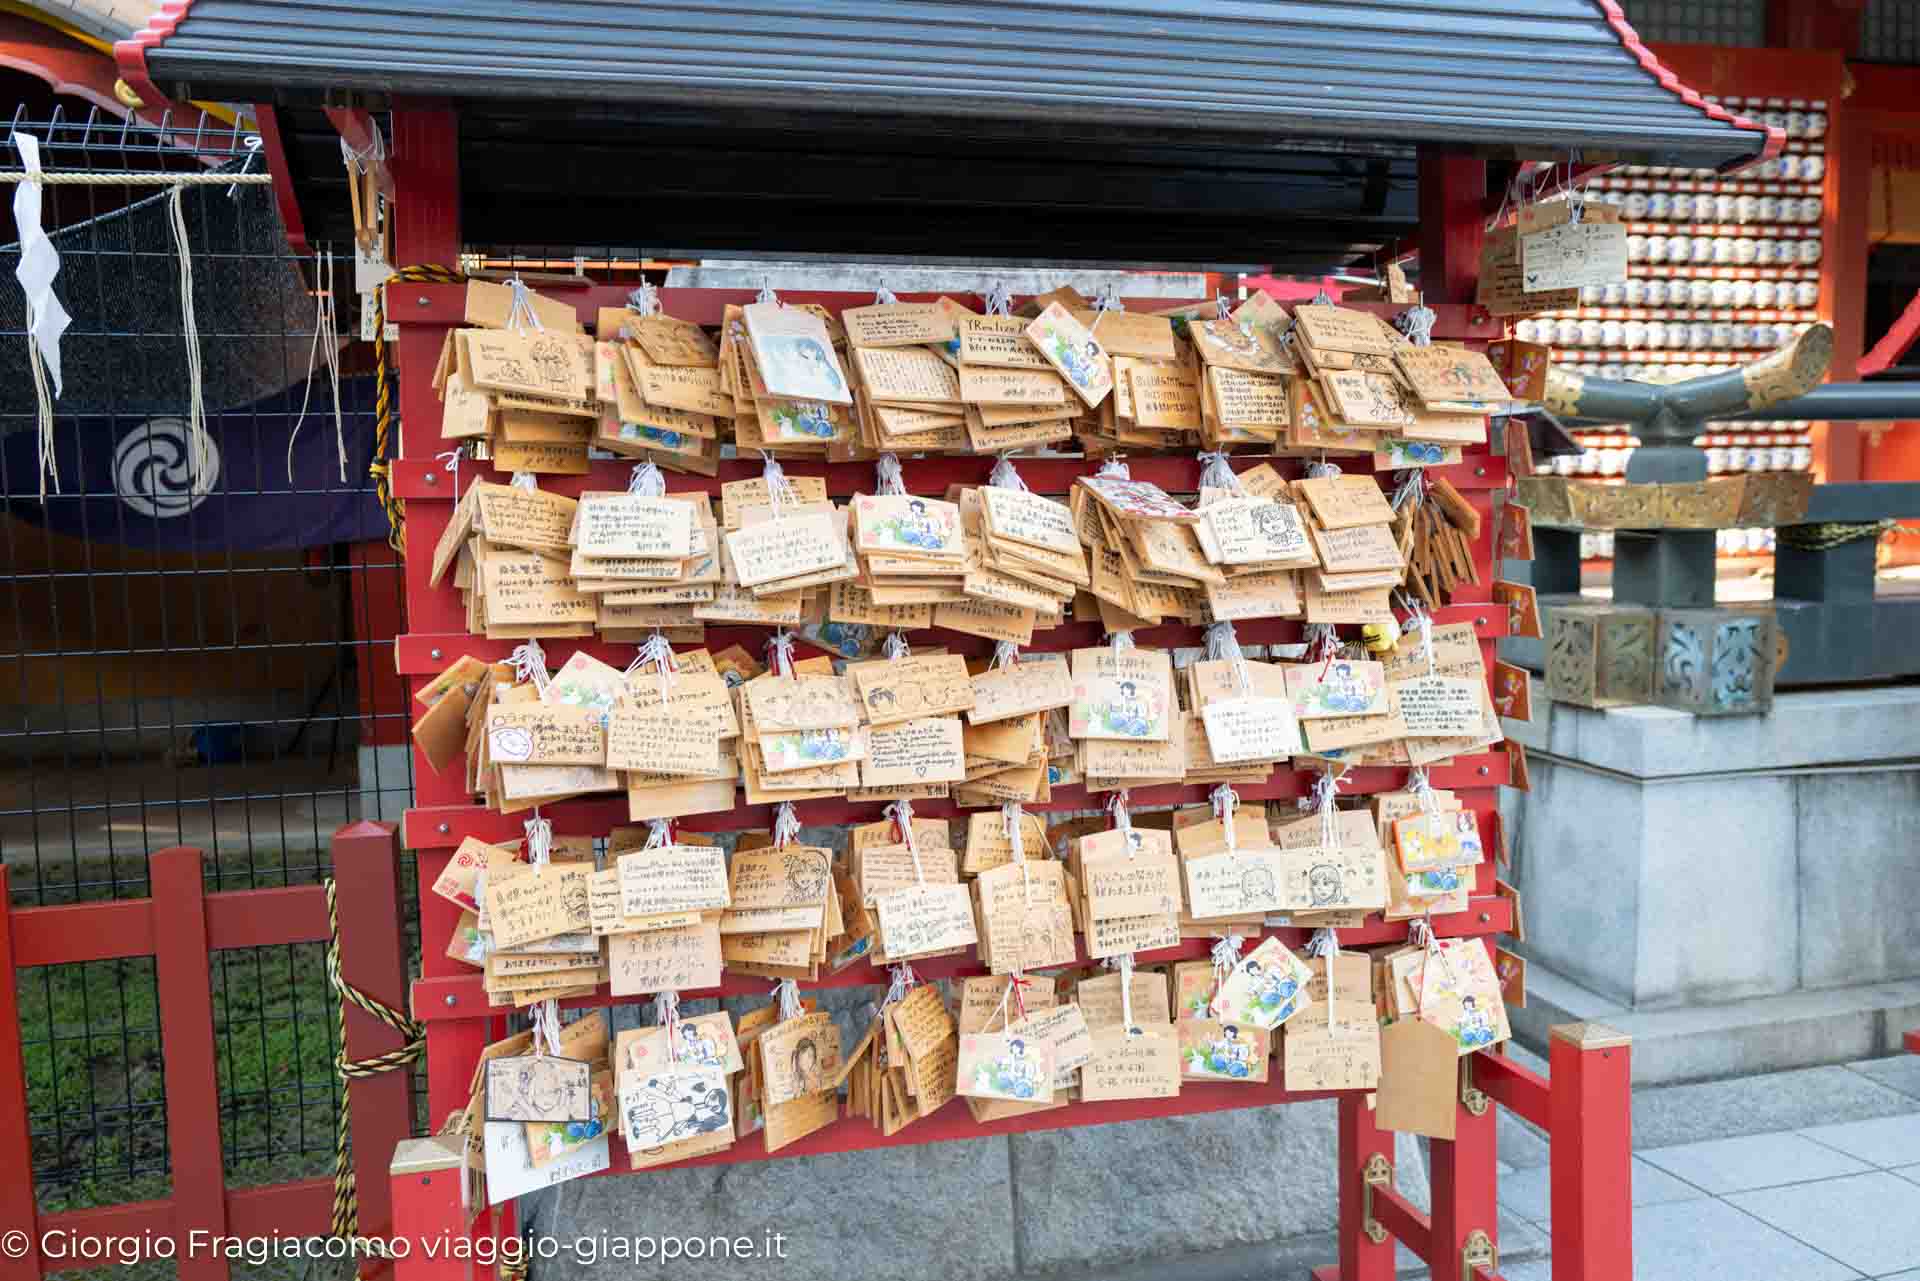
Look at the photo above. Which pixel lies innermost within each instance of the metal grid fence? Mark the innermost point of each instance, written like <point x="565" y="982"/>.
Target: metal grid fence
<point x="185" y="660"/>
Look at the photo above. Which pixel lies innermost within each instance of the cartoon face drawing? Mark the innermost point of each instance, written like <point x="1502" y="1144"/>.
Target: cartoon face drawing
<point x="1256" y="884"/>
<point x="510" y="743"/>
<point x="551" y="357"/>
<point x="1324" y="884"/>
<point x="806" y="1065"/>
<point x="806" y="876"/>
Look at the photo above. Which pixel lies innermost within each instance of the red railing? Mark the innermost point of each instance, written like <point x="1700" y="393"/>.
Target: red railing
<point x="181" y="926"/>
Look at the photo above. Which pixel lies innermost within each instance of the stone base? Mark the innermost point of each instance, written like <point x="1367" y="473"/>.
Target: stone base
<point x="1738" y="1038"/>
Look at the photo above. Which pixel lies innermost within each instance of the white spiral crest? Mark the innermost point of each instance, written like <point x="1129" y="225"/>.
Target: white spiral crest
<point x="151" y="470"/>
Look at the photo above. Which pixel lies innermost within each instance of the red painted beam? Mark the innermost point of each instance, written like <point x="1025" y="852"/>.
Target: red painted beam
<point x="1515" y="1087"/>
<point x="78" y="932"/>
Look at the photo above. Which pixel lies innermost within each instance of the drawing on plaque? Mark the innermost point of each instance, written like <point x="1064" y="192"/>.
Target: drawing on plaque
<point x="790" y="361"/>
<point x="1274" y="990"/>
<point x="1474" y="1028"/>
<point x="573" y="898"/>
<point x="677" y="1106"/>
<point x="1256" y="885"/>
<point x="1325" y="884"/>
<point x="806" y="747"/>
<point x="916" y="529"/>
<point x="535" y="1087"/>
<point x="802" y="418"/>
<point x="1128" y="714"/>
<point x="1229" y="1054"/>
<point x="1347" y="689"/>
<point x="1013" y="1074"/>
<point x="1441" y="880"/>
<point x="806" y="876"/>
<point x="806" y="1066"/>
<point x="700" y="1047"/>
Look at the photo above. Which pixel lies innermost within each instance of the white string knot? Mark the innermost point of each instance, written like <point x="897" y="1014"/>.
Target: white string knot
<point x="1412" y="489"/>
<point x="658" y="653"/>
<point x="1422" y="788"/>
<point x="546" y="1027"/>
<point x="789" y="993"/>
<point x="1225" y="802"/>
<point x="1322" y="469"/>
<point x="1217" y="473"/>
<point x="766" y="292"/>
<point x="449" y="461"/>
<point x="647" y="481"/>
<point x="1011" y="816"/>
<point x="887" y="478"/>
<point x="1122" y="642"/>
<point x="786" y="825"/>
<point x="902" y="981"/>
<point x="1222" y="307"/>
<point x="1115" y="467"/>
<point x="1325" y="944"/>
<point x="1322" y="641"/>
<point x="895" y="646"/>
<point x="644" y="299"/>
<point x="883" y="297"/>
<point x="901" y="812"/>
<point x="539" y="840"/>
<point x="1223" y="646"/>
<point x="1005" y="654"/>
<point x="530" y="664"/>
<point x="1117" y="805"/>
<point x="1322" y="298"/>
<point x="520" y="313"/>
<point x="1225" y="955"/>
<point x="999" y="301"/>
<point x="529" y="481"/>
<point x="666" y="1013"/>
<point x="1109" y="299"/>
<point x="779" y="488"/>
<point x="780" y="652"/>
<point x="659" y="834"/>
<point x="1325" y="789"/>
<point x="1004" y="476"/>
<point x="1416" y="323"/>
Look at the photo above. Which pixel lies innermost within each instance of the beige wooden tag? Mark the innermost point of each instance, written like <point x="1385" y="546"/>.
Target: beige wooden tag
<point x="683" y="959"/>
<point x="545" y="734"/>
<point x="1341" y="329"/>
<point x="1451" y="373"/>
<point x="982" y="385"/>
<point x="538" y="904"/>
<point x="928" y="750"/>
<point x="1348" y="876"/>
<point x="1141" y="1062"/>
<point x="1214" y="1051"/>
<point x="1165" y="396"/>
<point x="793" y="353"/>
<point x="1245" y="531"/>
<point x="513" y="517"/>
<point x="539" y="1087"/>
<point x="999" y="342"/>
<point x="908" y="688"/>
<point x="799" y="1056"/>
<point x="900" y="324"/>
<point x="1249" y="400"/>
<point x="630" y="525"/>
<point x="673" y="878"/>
<point x="905" y="525"/>
<point x="1029" y="518"/>
<point x="533" y="364"/>
<point x="1126" y="695"/>
<point x="1363" y="605"/>
<point x="1006" y="1065"/>
<point x="1235" y="883"/>
<point x="1265" y="988"/>
<point x="907" y="375"/>
<point x="1223" y="344"/>
<point x="921" y="1020"/>
<point x="926" y="918"/>
<point x="1074" y="353"/>
<point x="1124" y="333"/>
<point x="786" y="547"/>
<point x="1438" y="706"/>
<point x="1333" y="1056"/>
<point x="1340" y="501"/>
<point x="1357" y="548"/>
<point x="1419" y="1089"/>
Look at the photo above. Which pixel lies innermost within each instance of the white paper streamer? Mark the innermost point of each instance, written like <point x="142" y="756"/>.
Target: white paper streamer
<point x="46" y="318"/>
<point x="786" y="825"/>
<point x="1003" y="475"/>
<point x="647" y="481"/>
<point x="886" y="475"/>
<point x="530" y="664"/>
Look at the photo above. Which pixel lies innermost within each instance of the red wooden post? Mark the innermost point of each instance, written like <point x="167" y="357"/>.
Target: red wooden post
<point x="424" y="1184"/>
<point x="182" y="968"/>
<point x="19" y="1211"/>
<point x="366" y="873"/>
<point x="1465" y="1205"/>
<point x="1361" y="1257"/>
<point x="1591" y="1070"/>
<point x="1453" y="222"/>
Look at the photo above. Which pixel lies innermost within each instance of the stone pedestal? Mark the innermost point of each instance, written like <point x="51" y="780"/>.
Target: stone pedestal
<point x="1740" y="894"/>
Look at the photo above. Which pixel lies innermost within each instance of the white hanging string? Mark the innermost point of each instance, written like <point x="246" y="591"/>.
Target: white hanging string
<point x="1117" y="805"/>
<point x="449" y="461"/>
<point x="644" y="299"/>
<point x="779" y="488"/>
<point x="884" y="297"/>
<point x="529" y="481"/>
<point x="659" y="834"/>
<point x="1412" y="488"/>
<point x="1004" y="476"/>
<point x="326" y="336"/>
<point x="887" y="478"/>
<point x="1005" y="654"/>
<point x="666" y="1013"/>
<point x="1225" y="955"/>
<point x="1122" y="642"/>
<point x="1012" y="816"/>
<point x="539" y="832"/>
<point x="530" y="664"/>
<point x="546" y="1027"/>
<point x="46" y="319"/>
<point x="895" y="646"/>
<point x="1217" y="473"/>
<point x="1222" y="307"/>
<point x="1225" y="802"/>
<point x="1422" y="788"/>
<point x="1124" y="964"/>
<point x="646" y="480"/>
<point x="1223" y="646"/>
<point x="786" y="825"/>
<point x="902" y="981"/>
<point x="1322" y="298"/>
<point x="766" y="293"/>
<point x="789" y="993"/>
<point x="901" y="812"/>
<point x="1322" y="469"/>
<point x="1325" y="944"/>
<point x="1416" y="323"/>
<point x="1109" y="299"/>
<point x="999" y="301"/>
<point x="200" y="457"/>
<point x="521" y="316"/>
<point x="1116" y="467"/>
<point x="1325" y="789"/>
<point x="657" y="651"/>
<point x="1322" y="641"/>
<point x="780" y="652"/>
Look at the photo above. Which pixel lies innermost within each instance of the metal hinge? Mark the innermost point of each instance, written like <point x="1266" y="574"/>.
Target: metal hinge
<point x="1479" y="1252"/>
<point x="1376" y="1173"/>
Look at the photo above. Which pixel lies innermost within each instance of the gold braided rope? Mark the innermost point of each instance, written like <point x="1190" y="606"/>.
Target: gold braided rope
<point x="1830" y="534"/>
<point x="381" y="467"/>
<point x="346" y="1196"/>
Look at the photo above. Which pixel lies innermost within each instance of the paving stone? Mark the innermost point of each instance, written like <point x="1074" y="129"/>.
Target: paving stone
<point x="1898" y="1072"/>
<point x="1753" y="1161"/>
<point x="1885" y="1142"/>
<point x="1709" y="1240"/>
<point x="1867" y="1221"/>
<point x="1528" y="1192"/>
<point x="1795" y="1100"/>
<point x="1911" y="1173"/>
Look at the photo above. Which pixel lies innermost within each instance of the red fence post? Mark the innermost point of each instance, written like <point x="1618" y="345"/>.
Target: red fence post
<point x="366" y="874"/>
<point x="1361" y="1257"/>
<point x="1465" y="1202"/>
<point x="19" y="1210"/>
<point x="1591" y="1173"/>
<point x="424" y="1189"/>
<point x="183" y="970"/>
